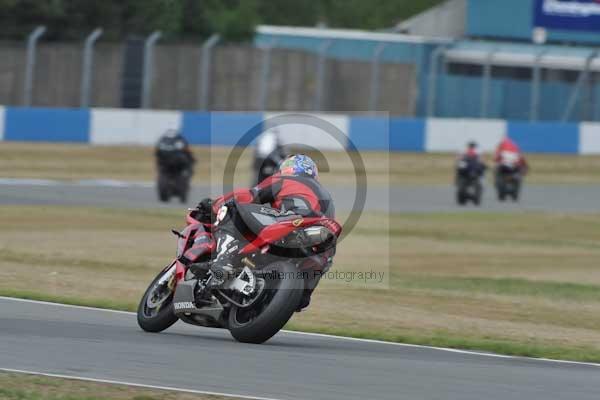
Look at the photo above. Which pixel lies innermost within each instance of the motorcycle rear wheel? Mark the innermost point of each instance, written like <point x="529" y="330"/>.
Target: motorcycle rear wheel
<point x="280" y="300"/>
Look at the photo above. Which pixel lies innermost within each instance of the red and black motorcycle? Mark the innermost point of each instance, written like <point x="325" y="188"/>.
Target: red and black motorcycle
<point x="248" y="272"/>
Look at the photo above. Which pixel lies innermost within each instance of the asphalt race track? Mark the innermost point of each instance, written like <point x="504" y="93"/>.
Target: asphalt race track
<point x="406" y="198"/>
<point x="90" y="343"/>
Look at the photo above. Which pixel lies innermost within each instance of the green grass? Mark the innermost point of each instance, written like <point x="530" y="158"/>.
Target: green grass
<point x="73" y="162"/>
<point x="108" y="304"/>
<point x="20" y="394"/>
<point x="15" y="386"/>
<point x="506" y="287"/>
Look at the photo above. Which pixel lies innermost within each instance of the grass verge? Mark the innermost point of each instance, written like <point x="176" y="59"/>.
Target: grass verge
<point x="38" y="387"/>
<point x="75" y="161"/>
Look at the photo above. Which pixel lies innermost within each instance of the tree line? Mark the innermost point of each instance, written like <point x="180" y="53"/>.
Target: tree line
<point x="193" y="19"/>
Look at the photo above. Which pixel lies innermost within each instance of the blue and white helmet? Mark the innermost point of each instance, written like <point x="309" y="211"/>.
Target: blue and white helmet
<point x="299" y="165"/>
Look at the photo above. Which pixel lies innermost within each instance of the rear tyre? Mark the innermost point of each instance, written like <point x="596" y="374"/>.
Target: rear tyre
<point x="516" y="192"/>
<point x="163" y="189"/>
<point x="501" y="195"/>
<point x="155" y="312"/>
<point x="279" y="301"/>
<point x="461" y="200"/>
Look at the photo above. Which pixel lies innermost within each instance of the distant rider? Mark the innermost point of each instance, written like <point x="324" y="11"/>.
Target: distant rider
<point x="509" y="159"/>
<point x="469" y="163"/>
<point x="173" y="150"/>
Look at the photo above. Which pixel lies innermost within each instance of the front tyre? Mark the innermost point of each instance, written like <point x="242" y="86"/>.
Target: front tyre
<point x="155" y="312"/>
<point x="280" y="299"/>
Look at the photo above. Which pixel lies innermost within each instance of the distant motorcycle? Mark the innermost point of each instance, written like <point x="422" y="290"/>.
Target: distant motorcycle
<point x="468" y="181"/>
<point x="249" y="283"/>
<point x="175" y="169"/>
<point x="174" y="181"/>
<point x="508" y="183"/>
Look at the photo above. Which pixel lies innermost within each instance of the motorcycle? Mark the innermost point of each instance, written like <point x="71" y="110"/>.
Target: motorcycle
<point x="174" y="182"/>
<point x="250" y="281"/>
<point x="468" y="183"/>
<point x="508" y="183"/>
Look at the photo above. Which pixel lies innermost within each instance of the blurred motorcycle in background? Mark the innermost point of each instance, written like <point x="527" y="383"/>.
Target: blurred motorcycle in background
<point x="174" y="162"/>
<point x="469" y="175"/>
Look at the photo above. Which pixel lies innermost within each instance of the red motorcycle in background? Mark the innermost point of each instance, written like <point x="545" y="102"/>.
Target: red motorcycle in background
<point x="247" y="272"/>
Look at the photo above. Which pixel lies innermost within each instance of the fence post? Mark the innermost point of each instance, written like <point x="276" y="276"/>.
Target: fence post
<point x="32" y="40"/>
<point x="485" y="83"/>
<point x="535" y="87"/>
<point x="148" y="68"/>
<point x="581" y="80"/>
<point x="205" y="64"/>
<point x="375" y="66"/>
<point x="321" y="60"/>
<point x="265" y="73"/>
<point x="434" y="60"/>
<point x="88" y="66"/>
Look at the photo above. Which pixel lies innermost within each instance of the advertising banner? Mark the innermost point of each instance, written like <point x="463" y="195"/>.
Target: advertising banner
<point x="574" y="15"/>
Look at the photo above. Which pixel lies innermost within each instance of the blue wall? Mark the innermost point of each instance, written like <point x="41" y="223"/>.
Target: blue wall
<point x="364" y="133"/>
<point x="42" y="124"/>
<point x="545" y="137"/>
<point x="202" y="128"/>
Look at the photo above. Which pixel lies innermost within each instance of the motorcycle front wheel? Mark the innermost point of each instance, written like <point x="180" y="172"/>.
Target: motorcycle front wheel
<point x="279" y="300"/>
<point x="155" y="312"/>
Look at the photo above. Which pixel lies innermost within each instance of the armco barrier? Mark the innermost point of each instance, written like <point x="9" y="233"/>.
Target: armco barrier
<point x="119" y="126"/>
<point x="589" y="138"/>
<point x="1" y="123"/>
<point x="44" y="124"/>
<point x="451" y="135"/>
<point x="143" y="127"/>
<point x="335" y="137"/>
<point x="545" y="137"/>
<point x="406" y="135"/>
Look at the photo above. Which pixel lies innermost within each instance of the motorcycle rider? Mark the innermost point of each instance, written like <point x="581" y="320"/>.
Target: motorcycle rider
<point x="173" y="146"/>
<point x="509" y="162"/>
<point x="509" y="158"/>
<point x="469" y="161"/>
<point x="173" y="159"/>
<point x="293" y="190"/>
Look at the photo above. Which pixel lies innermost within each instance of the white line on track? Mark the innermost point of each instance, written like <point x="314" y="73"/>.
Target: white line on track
<point x="139" y="385"/>
<point x="323" y="335"/>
